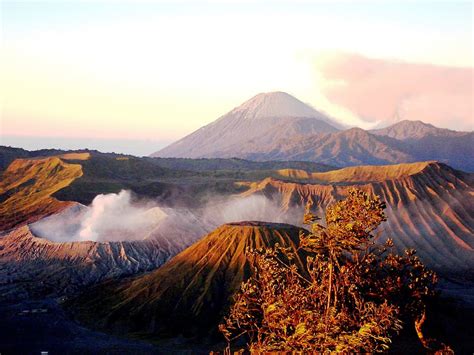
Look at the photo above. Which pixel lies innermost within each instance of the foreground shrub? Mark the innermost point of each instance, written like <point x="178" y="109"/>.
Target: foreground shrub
<point x="352" y="296"/>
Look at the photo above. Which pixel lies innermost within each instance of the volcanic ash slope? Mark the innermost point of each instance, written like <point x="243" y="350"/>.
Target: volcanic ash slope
<point x="36" y="267"/>
<point x="430" y="206"/>
<point x="190" y="293"/>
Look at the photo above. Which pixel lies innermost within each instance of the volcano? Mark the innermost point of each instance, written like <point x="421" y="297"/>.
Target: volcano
<point x="278" y="127"/>
<point x="264" y="119"/>
<point x="191" y="292"/>
<point x="32" y="267"/>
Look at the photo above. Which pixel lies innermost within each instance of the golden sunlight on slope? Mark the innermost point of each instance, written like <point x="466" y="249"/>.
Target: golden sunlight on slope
<point x="190" y="292"/>
<point x="26" y="188"/>
<point x="365" y="173"/>
<point x="75" y="156"/>
<point x="429" y="206"/>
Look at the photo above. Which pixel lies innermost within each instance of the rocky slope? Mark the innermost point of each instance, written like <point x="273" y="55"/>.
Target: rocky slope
<point x="429" y="206"/>
<point x="191" y="292"/>
<point x="33" y="267"/>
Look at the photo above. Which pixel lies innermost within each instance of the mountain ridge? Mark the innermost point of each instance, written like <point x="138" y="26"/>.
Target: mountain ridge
<point x="429" y="206"/>
<point x="406" y="129"/>
<point x="249" y="132"/>
<point x="27" y="189"/>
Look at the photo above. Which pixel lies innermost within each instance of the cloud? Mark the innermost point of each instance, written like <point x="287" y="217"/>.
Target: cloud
<point x="386" y="91"/>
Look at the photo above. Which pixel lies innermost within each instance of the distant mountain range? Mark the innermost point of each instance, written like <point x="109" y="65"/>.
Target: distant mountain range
<point x="278" y="126"/>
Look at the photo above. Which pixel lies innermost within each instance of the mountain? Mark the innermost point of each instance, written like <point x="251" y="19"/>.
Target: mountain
<point x="9" y="154"/>
<point x="343" y="148"/>
<point x="426" y="142"/>
<point x="41" y="199"/>
<point x="191" y="292"/>
<point x="356" y="146"/>
<point x="32" y="267"/>
<point x="277" y="126"/>
<point x="412" y="130"/>
<point x="429" y="206"/>
<point x="433" y="194"/>
<point x="264" y="118"/>
<point x="27" y="186"/>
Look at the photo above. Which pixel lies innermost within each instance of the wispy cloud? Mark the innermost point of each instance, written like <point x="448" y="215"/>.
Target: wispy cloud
<point x="385" y="91"/>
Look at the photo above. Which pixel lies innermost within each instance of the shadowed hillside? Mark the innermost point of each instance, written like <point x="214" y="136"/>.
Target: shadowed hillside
<point x="9" y="154"/>
<point x="33" y="267"/>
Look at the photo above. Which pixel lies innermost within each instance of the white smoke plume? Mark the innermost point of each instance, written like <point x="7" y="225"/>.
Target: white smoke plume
<point x="120" y="217"/>
<point x="115" y="213"/>
<point x="250" y="208"/>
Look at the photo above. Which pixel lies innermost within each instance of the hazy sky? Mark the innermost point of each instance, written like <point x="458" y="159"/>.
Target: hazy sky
<point x="148" y="73"/>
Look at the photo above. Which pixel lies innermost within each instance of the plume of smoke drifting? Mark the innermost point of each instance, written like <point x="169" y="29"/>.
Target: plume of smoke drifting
<point x="109" y="217"/>
<point x="249" y="208"/>
<point x="120" y="217"/>
<point x="115" y="214"/>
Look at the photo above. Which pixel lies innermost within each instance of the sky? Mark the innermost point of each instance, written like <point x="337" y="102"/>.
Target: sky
<point x="133" y="77"/>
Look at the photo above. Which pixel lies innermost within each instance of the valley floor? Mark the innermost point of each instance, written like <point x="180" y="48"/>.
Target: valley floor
<point x="32" y="327"/>
<point x="35" y="326"/>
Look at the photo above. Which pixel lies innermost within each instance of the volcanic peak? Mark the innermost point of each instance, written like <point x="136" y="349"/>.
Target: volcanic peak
<point x="275" y="104"/>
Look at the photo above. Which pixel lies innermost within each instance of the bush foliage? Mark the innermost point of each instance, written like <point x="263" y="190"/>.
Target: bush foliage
<point x="351" y="296"/>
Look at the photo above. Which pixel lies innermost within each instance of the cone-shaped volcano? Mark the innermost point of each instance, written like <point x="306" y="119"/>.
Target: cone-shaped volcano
<point x="191" y="292"/>
<point x="263" y="120"/>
